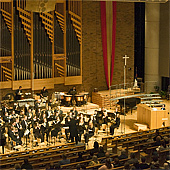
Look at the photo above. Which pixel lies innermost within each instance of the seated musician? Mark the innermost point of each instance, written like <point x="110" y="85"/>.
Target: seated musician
<point x="19" y="127"/>
<point x="114" y="124"/>
<point x="99" y="117"/>
<point x="90" y="129"/>
<point x="44" y="92"/>
<point x="4" y="109"/>
<point x="73" y="91"/>
<point x="74" y="112"/>
<point x="13" y="133"/>
<point x="6" y="117"/>
<point x="18" y="93"/>
<point x="105" y="121"/>
<point x="60" y="113"/>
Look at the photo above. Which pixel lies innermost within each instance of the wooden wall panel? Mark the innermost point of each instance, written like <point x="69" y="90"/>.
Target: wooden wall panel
<point x="40" y="83"/>
<point x="26" y="84"/>
<point x="5" y="85"/>
<point x="73" y="80"/>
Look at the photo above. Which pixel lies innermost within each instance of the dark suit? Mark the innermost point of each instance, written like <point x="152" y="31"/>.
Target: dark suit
<point x="4" y="109"/>
<point x="44" y="93"/>
<point x="18" y="96"/>
<point x="73" y="130"/>
<point x="23" y="124"/>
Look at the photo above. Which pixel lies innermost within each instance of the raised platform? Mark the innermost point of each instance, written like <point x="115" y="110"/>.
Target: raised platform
<point x="102" y="98"/>
<point x="89" y="106"/>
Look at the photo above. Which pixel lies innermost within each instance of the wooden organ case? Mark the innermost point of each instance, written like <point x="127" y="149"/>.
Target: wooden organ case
<point x="40" y="48"/>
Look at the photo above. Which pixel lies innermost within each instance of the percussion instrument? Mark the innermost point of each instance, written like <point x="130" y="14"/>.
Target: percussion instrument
<point x="79" y="100"/>
<point x="22" y="97"/>
<point x="67" y="100"/>
<point x="86" y="96"/>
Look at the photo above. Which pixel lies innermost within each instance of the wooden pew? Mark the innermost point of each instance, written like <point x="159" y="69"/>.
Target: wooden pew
<point x="37" y="150"/>
<point x="44" y="155"/>
<point x="73" y="165"/>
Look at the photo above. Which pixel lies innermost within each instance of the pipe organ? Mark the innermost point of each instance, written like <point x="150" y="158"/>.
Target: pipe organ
<point x="21" y="45"/>
<point x="42" y="49"/>
<point x="5" y="42"/>
<point x="40" y="45"/>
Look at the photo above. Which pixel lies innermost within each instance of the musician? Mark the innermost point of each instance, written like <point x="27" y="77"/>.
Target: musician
<point x="90" y="129"/>
<point x="114" y="124"/>
<point x="13" y="133"/>
<point x="45" y="129"/>
<point x="44" y="92"/>
<point x="29" y="114"/>
<point x="38" y="113"/>
<point x="18" y="93"/>
<point x="56" y="128"/>
<point x="67" y="120"/>
<point x="74" y="112"/>
<point x="6" y="117"/>
<point x="43" y="116"/>
<point x="2" y="139"/>
<point x="26" y="107"/>
<point x="37" y="103"/>
<point x="99" y="117"/>
<point x="19" y="127"/>
<point x="16" y="108"/>
<point x="37" y="132"/>
<point x="73" y="130"/>
<point x="81" y="127"/>
<point x="24" y="123"/>
<point x="105" y="120"/>
<point x="4" y="109"/>
<point x="73" y="91"/>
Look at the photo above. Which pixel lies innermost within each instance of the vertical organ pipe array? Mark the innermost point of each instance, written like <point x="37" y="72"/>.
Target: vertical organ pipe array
<point x="42" y="50"/>
<point x="21" y="49"/>
<point x="72" y="49"/>
<point x="58" y="38"/>
<point x="5" y="38"/>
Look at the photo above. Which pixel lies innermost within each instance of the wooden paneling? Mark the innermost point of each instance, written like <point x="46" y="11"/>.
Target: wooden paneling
<point x="26" y="84"/>
<point x="5" y="85"/>
<point x="38" y="84"/>
<point x="153" y="118"/>
<point x="73" y="80"/>
<point x="59" y="80"/>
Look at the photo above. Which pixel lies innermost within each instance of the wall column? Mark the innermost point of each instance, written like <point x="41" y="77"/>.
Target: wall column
<point x="152" y="15"/>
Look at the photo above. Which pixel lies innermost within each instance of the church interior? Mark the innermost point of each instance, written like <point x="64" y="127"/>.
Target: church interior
<point x="85" y="84"/>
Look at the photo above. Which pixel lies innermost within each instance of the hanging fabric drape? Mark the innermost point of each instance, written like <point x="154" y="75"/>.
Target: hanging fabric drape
<point x="108" y="28"/>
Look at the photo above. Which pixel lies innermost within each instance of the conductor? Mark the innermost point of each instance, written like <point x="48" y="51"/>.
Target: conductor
<point x="73" y="130"/>
<point x="18" y="93"/>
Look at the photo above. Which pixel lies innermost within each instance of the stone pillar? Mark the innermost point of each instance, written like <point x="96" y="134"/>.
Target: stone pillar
<point x="152" y="15"/>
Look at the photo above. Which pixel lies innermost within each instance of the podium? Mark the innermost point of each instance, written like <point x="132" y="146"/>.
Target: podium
<point x="153" y="117"/>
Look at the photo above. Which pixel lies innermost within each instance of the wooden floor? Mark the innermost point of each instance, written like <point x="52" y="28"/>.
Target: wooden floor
<point x="126" y="126"/>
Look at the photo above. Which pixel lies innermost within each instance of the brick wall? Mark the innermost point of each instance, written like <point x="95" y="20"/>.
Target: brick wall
<point x="93" y="67"/>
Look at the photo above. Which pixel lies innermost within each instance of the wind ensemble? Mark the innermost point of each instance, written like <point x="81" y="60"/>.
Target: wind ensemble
<point x="49" y="122"/>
